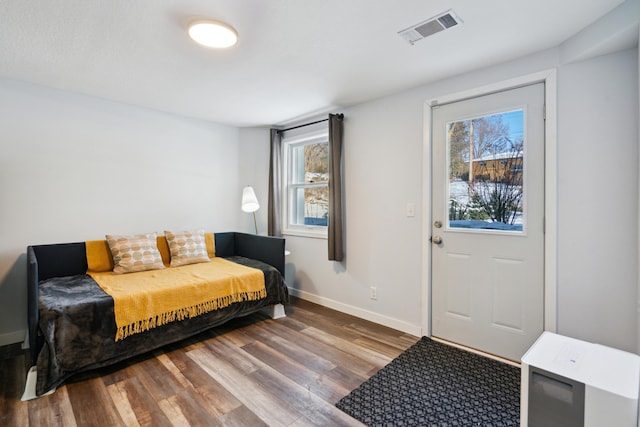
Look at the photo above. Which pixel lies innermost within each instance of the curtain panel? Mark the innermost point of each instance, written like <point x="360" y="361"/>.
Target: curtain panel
<point x="274" y="220"/>
<point x="335" y="235"/>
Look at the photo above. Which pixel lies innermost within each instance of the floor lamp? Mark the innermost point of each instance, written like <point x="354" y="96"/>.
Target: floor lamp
<point x="250" y="203"/>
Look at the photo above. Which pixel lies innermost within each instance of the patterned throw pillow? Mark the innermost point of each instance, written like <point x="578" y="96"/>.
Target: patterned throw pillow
<point x="134" y="253"/>
<point x="187" y="247"/>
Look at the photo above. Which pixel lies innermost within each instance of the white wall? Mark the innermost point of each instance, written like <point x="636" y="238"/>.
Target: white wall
<point x="598" y="199"/>
<point x="383" y="172"/>
<point x="597" y="248"/>
<point x="254" y="171"/>
<point x="73" y="168"/>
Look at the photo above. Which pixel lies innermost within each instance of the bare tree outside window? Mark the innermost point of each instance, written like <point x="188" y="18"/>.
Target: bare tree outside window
<point x="498" y="189"/>
<point x="485" y="173"/>
<point x="316" y="199"/>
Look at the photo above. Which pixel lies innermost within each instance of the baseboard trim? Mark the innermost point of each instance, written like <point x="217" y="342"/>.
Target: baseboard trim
<point x="389" y="322"/>
<point x="12" y="338"/>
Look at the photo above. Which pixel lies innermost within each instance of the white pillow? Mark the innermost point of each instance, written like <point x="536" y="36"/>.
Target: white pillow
<point x="134" y="253"/>
<point x="187" y="247"/>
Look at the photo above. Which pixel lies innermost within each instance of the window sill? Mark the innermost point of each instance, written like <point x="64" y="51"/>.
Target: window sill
<point x="306" y="233"/>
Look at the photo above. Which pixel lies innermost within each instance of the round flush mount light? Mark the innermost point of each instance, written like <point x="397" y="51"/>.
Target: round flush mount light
<point x="213" y="34"/>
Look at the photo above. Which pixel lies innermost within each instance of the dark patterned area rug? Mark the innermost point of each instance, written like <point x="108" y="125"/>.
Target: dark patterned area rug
<point x="434" y="384"/>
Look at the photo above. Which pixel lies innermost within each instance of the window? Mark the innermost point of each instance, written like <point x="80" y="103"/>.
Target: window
<point x="488" y="192"/>
<point x="306" y="184"/>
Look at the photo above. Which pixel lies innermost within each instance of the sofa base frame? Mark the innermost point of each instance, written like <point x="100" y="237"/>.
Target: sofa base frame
<point x="275" y="311"/>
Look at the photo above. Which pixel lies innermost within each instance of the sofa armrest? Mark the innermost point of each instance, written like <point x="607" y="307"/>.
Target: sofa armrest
<point x="225" y="244"/>
<point x="32" y="304"/>
<point x="45" y="262"/>
<point x="61" y="259"/>
<point x="263" y="248"/>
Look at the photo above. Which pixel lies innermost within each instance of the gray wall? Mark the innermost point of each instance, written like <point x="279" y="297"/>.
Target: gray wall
<point x="73" y="168"/>
<point x="598" y="199"/>
<point x="597" y="206"/>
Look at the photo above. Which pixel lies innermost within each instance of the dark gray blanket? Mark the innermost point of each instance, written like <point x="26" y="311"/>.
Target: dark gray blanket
<point x="78" y="325"/>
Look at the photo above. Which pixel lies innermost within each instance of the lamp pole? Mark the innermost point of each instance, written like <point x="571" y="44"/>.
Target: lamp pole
<point x="255" y="222"/>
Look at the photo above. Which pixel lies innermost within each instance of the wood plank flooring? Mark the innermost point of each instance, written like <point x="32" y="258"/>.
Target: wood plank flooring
<point x="252" y="371"/>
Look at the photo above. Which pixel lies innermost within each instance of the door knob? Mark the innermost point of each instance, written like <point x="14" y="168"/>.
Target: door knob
<point x="436" y="239"/>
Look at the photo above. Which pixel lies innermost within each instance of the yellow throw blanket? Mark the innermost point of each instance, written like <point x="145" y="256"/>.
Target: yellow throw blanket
<point x="147" y="299"/>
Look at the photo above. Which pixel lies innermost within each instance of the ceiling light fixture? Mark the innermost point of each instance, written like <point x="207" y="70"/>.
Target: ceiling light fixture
<point x="213" y="34"/>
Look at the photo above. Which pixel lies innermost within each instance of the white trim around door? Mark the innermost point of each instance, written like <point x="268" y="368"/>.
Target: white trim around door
<point x="550" y="190"/>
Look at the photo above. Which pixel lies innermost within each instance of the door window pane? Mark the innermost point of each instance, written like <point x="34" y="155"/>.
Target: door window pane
<point x="486" y="169"/>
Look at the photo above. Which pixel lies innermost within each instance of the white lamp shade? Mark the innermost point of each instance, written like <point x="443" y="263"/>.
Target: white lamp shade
<point x="249" y="200"/>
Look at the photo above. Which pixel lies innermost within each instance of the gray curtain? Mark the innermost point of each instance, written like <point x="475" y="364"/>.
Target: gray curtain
<point x="336" y="244"/>
<point x="275" y="185"/>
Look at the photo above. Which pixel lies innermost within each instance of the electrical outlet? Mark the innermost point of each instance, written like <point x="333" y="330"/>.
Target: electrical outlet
<point x="373" y="293"/>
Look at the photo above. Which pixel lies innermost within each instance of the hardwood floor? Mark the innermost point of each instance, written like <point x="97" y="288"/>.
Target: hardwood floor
<point x="253" y="371"/>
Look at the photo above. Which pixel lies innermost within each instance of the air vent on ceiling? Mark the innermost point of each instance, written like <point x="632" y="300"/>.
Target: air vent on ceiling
<point x="431" y="26"/>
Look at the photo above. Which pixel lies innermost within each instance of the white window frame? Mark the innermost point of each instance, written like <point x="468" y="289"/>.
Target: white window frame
<point x="288" y="187"/>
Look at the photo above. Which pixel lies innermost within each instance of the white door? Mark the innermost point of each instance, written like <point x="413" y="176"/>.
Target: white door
<point x="487" y="283"/>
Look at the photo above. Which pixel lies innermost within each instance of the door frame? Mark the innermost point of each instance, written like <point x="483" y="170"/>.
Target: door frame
<point x="549" y="78"/>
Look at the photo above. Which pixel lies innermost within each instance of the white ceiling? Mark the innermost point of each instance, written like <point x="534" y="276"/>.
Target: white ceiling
<point x="294" y="58"/>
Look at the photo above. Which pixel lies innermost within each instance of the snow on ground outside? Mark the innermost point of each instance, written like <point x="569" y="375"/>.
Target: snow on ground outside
<point x="459" y="191"/>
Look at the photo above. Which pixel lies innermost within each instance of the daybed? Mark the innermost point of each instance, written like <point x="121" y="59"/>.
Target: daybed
<point x="71" y="319"/>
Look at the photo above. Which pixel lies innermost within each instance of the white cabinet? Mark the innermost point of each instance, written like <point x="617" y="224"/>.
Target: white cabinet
<point x="568" y="382"/>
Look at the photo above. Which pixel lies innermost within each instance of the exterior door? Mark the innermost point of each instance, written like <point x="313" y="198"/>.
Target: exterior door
<point x="487" y="283"/>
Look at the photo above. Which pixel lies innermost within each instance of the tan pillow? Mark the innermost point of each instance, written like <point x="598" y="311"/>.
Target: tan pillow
<point x="187" y="247"/>
<point x="134" y="253"/>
